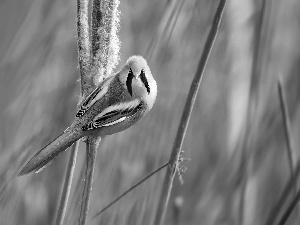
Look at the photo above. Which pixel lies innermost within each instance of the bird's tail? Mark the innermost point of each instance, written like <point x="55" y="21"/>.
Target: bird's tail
<point x="45" y="156"/>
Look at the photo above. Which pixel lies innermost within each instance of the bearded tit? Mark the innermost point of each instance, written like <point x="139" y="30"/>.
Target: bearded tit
<point x="115" y="105"/>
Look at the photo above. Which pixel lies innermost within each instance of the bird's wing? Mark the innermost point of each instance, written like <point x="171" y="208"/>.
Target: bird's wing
<point x="113" y="115"/>
<point x="97" y="94"/>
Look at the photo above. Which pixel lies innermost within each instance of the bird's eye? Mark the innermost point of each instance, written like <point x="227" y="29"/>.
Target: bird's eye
<point x="144" y="80"/>
<point x="129" y="81"/>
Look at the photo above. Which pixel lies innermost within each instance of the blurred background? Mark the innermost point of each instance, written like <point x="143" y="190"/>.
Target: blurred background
<point x="235" y="138"/>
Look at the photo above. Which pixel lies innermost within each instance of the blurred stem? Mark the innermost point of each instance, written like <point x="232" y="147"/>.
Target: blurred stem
<point x="284" y="196"/>
<point x="91" y="152"/>
<point x="171" y="18"/>
<point x="131" y="188"/>
<point x="287" y="126"/>
<point x="290" y="209"/>
<point x="246" y="159"/>
<point x="288" y="137"/>
<point x="176" y="16"/>
<point x="67" y="185"/>
<point x="294" y="174"/>
<point x="173" y="162"/>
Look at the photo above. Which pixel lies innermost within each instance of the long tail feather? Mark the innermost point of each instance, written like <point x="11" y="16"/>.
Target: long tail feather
<point x="45" y="156"/>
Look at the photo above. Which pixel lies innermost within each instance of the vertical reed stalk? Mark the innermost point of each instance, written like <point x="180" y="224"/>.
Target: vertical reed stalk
<point x="67" y="185"/>
<point x="92" y="146"/>
<point x="173" y="162"/>
<point x="84" y="62"/>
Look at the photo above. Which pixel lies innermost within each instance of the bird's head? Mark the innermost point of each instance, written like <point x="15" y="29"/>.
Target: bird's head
<point x="138" y="80"/>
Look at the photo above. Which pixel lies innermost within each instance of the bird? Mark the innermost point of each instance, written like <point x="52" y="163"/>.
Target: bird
<point x="116" y="104"/>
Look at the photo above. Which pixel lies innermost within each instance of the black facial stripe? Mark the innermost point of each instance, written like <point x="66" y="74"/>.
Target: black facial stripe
<point x="144" y="80"/>
<point x="129" y="81"/>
